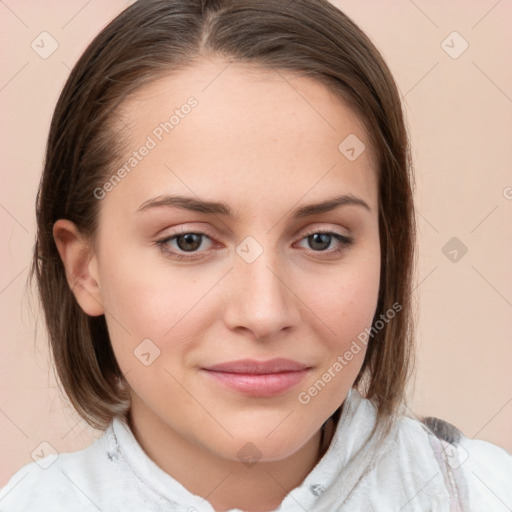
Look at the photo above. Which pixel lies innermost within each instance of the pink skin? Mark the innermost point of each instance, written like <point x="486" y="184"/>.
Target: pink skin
<point x="265" y="146"/>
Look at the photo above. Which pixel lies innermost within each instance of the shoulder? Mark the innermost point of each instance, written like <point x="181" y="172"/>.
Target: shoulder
<point x="55" y="481"/>
<point x="479" y="473"/>
<point x="34" y="484"/>
<point x="416" y="465"/>
<point x="488" y="471"/>
<point x="479" y="455"/>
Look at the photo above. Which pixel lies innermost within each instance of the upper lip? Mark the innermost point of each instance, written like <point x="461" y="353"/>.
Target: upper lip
<point x="277" y="365"/>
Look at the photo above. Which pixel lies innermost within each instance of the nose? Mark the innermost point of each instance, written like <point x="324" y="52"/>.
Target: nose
<point x="261" y="299"/>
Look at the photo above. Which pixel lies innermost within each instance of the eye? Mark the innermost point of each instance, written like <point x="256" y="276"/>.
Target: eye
<point x="319" y="241"/>
<point x="186" y="242"/>
<point x="191" y="241"/>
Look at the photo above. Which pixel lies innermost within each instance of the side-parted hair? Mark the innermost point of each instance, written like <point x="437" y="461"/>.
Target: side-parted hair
<point x="155" y="38"/>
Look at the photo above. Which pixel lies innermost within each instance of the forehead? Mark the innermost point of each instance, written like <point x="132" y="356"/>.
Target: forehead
<point x="252" y="134"/>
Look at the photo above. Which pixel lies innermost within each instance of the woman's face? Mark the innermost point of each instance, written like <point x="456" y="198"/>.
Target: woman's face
<point x="256" y="282"/>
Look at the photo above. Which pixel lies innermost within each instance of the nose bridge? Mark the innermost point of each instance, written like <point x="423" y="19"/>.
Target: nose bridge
<point x="262" y="301"/>
<point x="262" y="277"/>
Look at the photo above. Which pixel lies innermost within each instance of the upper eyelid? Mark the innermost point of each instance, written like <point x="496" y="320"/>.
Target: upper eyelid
<point x="205" y="232"/>
<point x="210" y="232"/>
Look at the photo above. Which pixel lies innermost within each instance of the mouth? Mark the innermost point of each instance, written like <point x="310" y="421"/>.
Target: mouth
<point x="258" y="378"/>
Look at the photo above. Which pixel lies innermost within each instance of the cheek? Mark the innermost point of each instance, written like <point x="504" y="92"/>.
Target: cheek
<point x="344" y="309"/>
<point x="136" y="307"/>
<point x="153" y="303"/>
<point x="145" y="300"/>
<point x="347" y="302"/>
<point x="344" y="318"/>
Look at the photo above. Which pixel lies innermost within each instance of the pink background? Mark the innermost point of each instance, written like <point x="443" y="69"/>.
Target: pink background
<point x="459" y="112"/>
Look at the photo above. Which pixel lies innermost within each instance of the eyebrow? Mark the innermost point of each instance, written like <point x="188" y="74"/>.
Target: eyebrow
<point x="221" y="208"/>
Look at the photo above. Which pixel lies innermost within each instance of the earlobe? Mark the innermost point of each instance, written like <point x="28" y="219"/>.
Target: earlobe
<point x="78" y="259"/>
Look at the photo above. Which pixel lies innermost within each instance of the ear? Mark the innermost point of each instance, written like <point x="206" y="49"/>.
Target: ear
<point x="80" y="263"/>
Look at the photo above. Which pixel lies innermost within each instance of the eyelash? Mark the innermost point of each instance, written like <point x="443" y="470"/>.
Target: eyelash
<point x="162" y="243"/>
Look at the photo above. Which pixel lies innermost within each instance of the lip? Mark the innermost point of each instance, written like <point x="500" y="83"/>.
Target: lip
<point x="259" y="378"/>
<point x="253" y="366"/>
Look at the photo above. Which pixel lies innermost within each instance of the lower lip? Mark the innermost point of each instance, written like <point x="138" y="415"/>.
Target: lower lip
<point x="270" y="384"/>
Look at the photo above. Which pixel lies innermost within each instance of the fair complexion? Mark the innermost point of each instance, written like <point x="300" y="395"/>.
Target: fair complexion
<point x="265" y="144"/>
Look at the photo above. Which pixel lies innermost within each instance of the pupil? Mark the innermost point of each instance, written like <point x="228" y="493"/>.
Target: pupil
<point x="192" y="241"/>
<point x="321" y="238"/>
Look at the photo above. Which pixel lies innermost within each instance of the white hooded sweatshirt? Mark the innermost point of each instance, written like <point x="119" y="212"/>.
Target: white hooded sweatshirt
<point x="412" y="470"/>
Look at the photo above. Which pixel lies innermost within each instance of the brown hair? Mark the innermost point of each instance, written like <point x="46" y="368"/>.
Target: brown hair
<point x="153" y="38"/>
